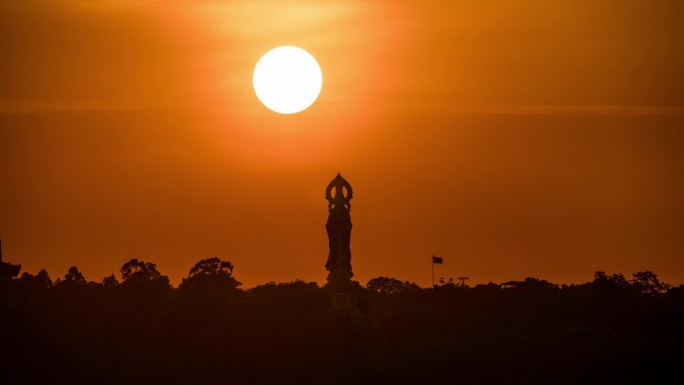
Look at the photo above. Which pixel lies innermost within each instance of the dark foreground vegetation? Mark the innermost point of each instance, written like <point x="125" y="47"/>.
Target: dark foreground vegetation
<point x="140" y="330"/>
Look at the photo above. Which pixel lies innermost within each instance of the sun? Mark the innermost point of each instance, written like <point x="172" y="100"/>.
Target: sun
<point x="287" y="79"/>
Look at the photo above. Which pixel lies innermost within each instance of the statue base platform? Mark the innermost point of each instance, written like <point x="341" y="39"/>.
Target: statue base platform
<point x="344" y="301"/>
<point x="343" y="298"/>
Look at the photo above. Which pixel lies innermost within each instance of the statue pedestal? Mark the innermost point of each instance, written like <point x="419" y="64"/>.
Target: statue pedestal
<point x="343" y="298"/>
<point x="344" y="301"/>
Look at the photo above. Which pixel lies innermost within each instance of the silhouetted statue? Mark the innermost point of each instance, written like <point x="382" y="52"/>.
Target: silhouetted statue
<point x="339" y="193"/>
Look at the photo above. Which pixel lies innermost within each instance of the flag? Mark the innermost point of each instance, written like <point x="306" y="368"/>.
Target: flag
<point x="437" y="259"/>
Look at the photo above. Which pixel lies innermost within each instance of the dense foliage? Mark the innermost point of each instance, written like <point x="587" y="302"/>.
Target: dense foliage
<point x="211" y="331"/>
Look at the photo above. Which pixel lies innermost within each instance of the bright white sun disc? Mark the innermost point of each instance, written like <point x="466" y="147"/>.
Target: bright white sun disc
<point x="287" y="79"/>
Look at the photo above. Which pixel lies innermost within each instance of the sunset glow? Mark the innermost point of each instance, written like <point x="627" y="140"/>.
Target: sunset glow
<point x="529" y="138"/>
<point x="176" y="200"/>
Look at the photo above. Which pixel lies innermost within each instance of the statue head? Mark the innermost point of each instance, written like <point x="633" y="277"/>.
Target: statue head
<point x="338" y="193"/>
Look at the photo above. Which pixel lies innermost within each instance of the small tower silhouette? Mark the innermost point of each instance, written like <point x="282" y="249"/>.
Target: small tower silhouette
<point x="463" y="279"/>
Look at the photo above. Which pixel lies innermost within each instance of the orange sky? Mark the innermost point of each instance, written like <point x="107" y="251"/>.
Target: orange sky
<point x="513" y="139"/>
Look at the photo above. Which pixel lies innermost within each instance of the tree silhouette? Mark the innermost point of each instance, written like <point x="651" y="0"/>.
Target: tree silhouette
<point x="385" y="285"/>
<point x="211" y="266"/>
<point x="110" y="282"/>
<point x="296" y="296"/>
<point x="140" y="270"/>
<point x="143" y="285"/>
<point x="211" y="278"/>
<point x="209" y="331"/>
<point x="75" y="276"/>
<point x="604" y="280"/>
<point x="647" y="282"/>
<point x="35" y="285"/>
<point x="72" y="278"/>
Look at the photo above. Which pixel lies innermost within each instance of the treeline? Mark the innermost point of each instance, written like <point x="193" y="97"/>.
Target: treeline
<point x="209" y="330"/>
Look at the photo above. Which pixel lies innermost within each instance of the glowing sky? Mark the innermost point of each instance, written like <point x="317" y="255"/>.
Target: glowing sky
<point x="513" y="139"/>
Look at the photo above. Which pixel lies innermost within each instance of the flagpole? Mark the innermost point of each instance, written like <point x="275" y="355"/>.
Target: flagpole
<point x="434" y="300"/>
<point x="433" y="271"/>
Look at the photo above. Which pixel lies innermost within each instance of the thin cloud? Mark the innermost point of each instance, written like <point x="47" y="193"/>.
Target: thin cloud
<point x="35" y="106"/>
